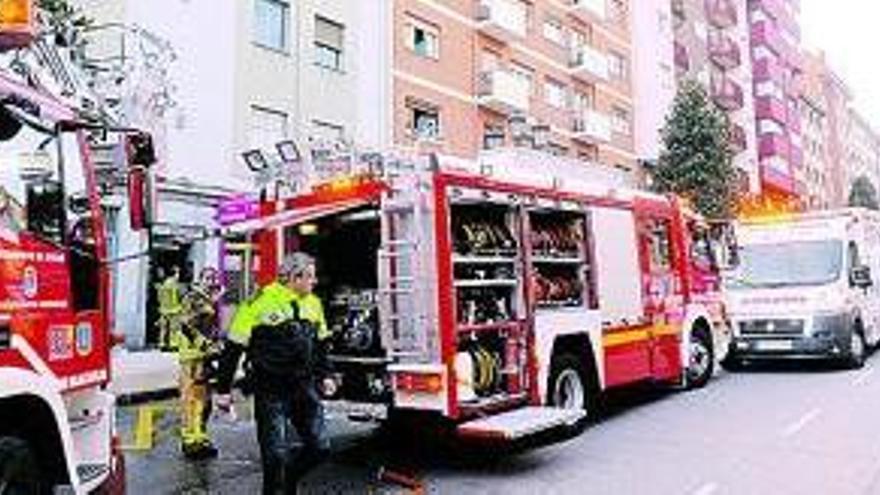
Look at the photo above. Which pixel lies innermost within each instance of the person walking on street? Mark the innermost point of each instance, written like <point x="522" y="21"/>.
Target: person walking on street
<point x="284" y="333"/>
<point x="196" y="344"/>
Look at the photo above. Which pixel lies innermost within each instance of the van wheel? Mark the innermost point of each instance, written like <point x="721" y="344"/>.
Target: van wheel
<point x="573" y="387"/>
<point x="857" y="350"/>
<point x="701" y="359"/>
<point x="18" y="468"/>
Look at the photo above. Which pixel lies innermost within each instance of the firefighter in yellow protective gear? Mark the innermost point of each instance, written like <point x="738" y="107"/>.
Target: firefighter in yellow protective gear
<point x="170" y="309"/>
<point x="196" y="345"/>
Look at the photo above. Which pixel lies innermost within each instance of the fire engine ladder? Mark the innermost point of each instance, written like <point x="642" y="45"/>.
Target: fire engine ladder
<point x="403" y="296"/>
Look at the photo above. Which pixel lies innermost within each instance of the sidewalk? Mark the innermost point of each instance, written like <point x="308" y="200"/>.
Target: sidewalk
<point x="142" y="374"/>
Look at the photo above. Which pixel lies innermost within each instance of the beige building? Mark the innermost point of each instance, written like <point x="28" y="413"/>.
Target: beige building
<point x="474" y="75"/>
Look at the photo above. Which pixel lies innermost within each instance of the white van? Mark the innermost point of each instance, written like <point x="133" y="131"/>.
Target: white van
<point x="803" y="288"/>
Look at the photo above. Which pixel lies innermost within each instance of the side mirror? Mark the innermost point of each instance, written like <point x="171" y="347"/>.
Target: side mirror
<point x="140" y="198"/>
<point x="141" y="155"/>
<point x="860" y="277"/>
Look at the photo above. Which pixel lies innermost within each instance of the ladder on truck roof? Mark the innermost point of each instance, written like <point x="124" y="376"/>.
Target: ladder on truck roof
<point x="406" y="271"/>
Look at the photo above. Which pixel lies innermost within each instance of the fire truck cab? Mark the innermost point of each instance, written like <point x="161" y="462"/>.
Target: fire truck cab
<point x="502" y="299"/>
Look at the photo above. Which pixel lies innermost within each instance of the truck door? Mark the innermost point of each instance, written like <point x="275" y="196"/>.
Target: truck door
<point x="661" y="292"/>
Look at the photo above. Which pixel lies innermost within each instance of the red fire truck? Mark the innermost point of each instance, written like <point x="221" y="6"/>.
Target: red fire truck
<point x="504" y="300"/>
<point x="56" y="418"/>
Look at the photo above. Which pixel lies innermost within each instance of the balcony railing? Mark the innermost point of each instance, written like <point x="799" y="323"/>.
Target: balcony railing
<point x="765" y="34"/>
<point x="768" y="107"/>
<point x="589" y="63"/>
<point x="721" y="13"/>
<point x="588" y="10"/>
<point x="591" y="126"/>
<point x="501" y="91"/>
<point x="726" y="93"/>
<point x="773" y="145"/>
<point x="682" y="59"/>
<point x="767" y="69"/>
<point x="724" y="51"/>
<point x="503" y="20"/>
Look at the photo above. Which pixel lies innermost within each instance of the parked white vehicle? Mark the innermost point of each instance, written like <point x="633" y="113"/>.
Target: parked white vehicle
<point x="803" y="287"/>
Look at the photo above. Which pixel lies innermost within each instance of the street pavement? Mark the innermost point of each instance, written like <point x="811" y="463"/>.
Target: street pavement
<point x="773" y="429"/>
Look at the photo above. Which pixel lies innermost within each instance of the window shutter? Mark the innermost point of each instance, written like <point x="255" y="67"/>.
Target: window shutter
<point x="329" y="33"/>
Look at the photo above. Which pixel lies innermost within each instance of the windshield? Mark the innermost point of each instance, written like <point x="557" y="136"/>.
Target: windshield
<point x="787" y="264"/>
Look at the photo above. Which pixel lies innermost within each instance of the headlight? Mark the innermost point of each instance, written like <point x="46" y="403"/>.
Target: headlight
<point x="829" y="324"/>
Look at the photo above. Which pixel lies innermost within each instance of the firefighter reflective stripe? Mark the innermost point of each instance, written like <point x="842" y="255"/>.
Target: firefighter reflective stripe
<point x="272" y="306"/>
<point x="311" y="309"/>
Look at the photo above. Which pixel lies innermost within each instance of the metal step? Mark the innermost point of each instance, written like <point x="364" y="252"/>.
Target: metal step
<point x="520" y="423"/>
<point x="91" y="472"/>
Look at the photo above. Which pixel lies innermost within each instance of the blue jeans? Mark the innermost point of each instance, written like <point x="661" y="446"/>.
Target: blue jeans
<point x="281" y="418"/>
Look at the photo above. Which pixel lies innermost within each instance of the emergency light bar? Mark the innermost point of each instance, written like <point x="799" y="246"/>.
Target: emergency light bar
<point x="17" y="26"/>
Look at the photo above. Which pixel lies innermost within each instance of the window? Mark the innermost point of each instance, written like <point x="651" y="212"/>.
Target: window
<point x="266" y="128"/>
<point x="618" y="11"/>
<point x="424" y="119"/>
<point x="553" y="31"/>
<point x="329" y="43"/>
<point x="271" y="23"/>
<point x="583" y="101"/>
<point x="554" y="93"/>
<point x="659" y="246"/>
<point x="557" y="149"/>
<point x="525" y="75"/>
<point x="617" y="66"/>
<point x="620" y="120"/>
<point x="493" y="136"/>
<point x="423" y="38"/>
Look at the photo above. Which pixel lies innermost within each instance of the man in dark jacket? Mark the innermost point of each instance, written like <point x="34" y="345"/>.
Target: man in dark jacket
<point x="283" y="332"/>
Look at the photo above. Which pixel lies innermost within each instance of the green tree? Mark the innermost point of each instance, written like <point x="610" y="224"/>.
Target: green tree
<point x="696" y="161"/>
<point x="863" y="193"/>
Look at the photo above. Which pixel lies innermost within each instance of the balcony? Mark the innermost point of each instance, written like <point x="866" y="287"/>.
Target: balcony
<point x="682" y="60"/>
<point x="794" y="121"/>
<point x="796" y="157"/>
<point x="592" y="127"/>
<point x="776" y="10"/>
<point x="502" y="92"/>
<point x="724" y="51"/>
<point x="726" y="93"/>
<point x="767" y="69"/>
<point x="773" y="145"/>
<point x="503" y="20"/>
<point x="589" y="64"/>
<point x="738" y="140"/>
<point x="770" y="108"/>
<point x="588" y="10"/>
<point x="765" y="34"/>
<point x="721" y="13"/>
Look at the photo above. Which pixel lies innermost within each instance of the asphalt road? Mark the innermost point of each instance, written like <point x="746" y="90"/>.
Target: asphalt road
<point x="784" y="429"/>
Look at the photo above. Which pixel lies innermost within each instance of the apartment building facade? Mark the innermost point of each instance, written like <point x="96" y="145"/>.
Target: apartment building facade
<point x="253" y="74"/>
<point x="816" y="174"/>
<point x="777" y="69"/>
<point x="862" y="151"/>
<point x="470" y="76"/>
<point x="712" y="46"/>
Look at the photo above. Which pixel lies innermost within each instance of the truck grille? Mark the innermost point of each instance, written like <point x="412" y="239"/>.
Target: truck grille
<point x="772" y="327"/>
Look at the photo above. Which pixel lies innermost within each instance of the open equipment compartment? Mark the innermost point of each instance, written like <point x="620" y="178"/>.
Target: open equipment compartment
<point x="489" y="290"/>
<point x="345" y="246"/>
<point x="558" y="256"/>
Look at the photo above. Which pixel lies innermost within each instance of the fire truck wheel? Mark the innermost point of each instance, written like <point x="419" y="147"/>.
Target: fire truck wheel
<point x="571" y="386"/>
<point x="857" y="349"/>
<point x="18" y="468"/>
<point x="701" y="359"/>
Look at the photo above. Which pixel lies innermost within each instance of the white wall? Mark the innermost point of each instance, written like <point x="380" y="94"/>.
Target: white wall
<point x="375" y="102"/>
<point x="654" y="73"/>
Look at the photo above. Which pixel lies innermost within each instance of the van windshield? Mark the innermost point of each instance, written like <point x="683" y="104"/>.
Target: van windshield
<point x="787" y="264"/>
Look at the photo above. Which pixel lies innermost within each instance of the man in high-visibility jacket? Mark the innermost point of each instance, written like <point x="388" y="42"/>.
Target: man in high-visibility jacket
<point x="195" y="343"/>
<point x="168" y="293"/>
<point x="284" y="332"/>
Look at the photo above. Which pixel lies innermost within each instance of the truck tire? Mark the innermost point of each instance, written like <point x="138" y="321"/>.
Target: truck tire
<point x="573" y="386"/>
<point x="732" y="364"/>
<point x="19" y="474"/>
<point x="855" y="358"/>
<point x="701" y="359"/>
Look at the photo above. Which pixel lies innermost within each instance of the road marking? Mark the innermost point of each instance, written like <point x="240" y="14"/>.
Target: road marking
<point x="706" y="489"/>
<point x="864" y="375"/>
<point x="801" y="423"/>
